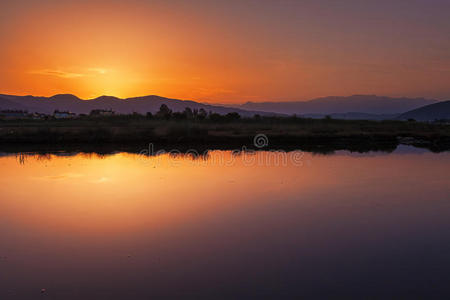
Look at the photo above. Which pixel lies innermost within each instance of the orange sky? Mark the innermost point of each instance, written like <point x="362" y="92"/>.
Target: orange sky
<point x="236" y="51"/>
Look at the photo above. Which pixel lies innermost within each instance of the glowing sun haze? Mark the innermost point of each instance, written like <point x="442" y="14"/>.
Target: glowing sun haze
<point x="226" y="51"/>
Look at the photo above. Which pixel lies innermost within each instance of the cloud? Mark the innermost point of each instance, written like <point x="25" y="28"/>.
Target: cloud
<point x="98" y="70"/>
<point x="65" y="74"/>
<point x="56" y="73"/>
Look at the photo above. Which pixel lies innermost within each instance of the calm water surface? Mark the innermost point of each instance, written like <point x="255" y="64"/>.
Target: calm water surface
<point x="130" y="227"/>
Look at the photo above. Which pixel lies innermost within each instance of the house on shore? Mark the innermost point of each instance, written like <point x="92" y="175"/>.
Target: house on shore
<point x="102" y="113"/>
<point x="39" y="116"/>
<point x="13" y="114"/>
<point x="64" y="115"/>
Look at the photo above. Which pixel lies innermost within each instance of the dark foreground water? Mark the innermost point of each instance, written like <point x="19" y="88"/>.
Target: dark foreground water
<point x="226" y="226"/>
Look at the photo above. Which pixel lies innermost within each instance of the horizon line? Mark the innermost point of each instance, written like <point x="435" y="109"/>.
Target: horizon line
<point x="209" y="102"/>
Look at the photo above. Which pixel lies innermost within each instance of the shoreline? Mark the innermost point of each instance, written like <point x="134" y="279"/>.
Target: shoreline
<point x="134" y="133"/>
<point x="320" y="145"/>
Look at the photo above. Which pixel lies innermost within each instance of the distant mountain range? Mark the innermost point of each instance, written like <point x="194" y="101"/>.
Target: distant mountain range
<point x="365" y="104"/>
<point x="437" y="111"/>
<point x="368" y="107"/>
<point x="142" y="105"/>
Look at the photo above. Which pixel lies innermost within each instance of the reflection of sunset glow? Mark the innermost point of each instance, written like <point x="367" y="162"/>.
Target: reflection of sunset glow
<point x="96" y="195"/>
<point x="124" y="226"/>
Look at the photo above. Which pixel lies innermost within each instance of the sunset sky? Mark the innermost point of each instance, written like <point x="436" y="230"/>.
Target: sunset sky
<point x="226" y="51"/>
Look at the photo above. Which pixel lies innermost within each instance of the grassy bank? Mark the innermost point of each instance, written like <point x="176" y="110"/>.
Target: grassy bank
<point x="285" y="133"/>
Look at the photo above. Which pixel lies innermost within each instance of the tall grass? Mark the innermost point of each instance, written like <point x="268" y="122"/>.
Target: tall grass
<point x="282" y="131"/>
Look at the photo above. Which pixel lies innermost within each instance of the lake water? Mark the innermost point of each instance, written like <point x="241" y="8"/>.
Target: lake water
<point x="225" y="226"/>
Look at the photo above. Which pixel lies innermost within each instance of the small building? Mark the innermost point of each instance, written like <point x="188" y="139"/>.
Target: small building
<point x="102" y="112"/>
<point x="63" y="115"/>
<point x="13" y="114"/>
<point x="39" y="116"/>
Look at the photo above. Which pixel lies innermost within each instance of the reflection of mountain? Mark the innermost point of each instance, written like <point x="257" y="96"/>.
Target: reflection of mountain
<point x="139" y="104"/>
<point x="364" y="104"/>
<point x="437" y="111"/>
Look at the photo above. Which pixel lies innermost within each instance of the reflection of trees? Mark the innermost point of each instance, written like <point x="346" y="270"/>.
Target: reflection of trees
<point x="191" y="154"/>
<point x="93" y="155"/>
<point x="43" y="157"/>
<point x="21" y="157"/>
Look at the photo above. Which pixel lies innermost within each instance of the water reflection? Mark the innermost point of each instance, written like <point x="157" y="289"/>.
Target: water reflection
<point x="120" y="226"/>
<point x="209" y="155"/>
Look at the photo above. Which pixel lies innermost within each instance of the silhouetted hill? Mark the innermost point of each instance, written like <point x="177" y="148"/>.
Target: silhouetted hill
<point x="125" y="106"/>
<point x="6" y="104"/>
<point x="366" y="104"/>
<point x="437" y="111"/>
<point x="353" y="107"/>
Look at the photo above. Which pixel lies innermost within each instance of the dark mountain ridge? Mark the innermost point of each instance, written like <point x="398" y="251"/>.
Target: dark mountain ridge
<point x="142" y="105"/>
<point x="437" y="111"/>
<point x="366" y="104"/>
<point x="368" y="107"/>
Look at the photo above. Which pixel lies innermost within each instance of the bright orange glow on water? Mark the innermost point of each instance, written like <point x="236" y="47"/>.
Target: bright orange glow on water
<point x="124" y="192"/>
<point x="121" y="226"/>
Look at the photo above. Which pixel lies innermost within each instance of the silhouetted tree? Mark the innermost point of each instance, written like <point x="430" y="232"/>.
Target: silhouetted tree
<point x="202" y="114"/>
<point x="178" y="116"/>
<point x="164" y="112"/>
<point x="188" y="113"/>
<point x="233" y="116"/>
<point x="215" y="117"/>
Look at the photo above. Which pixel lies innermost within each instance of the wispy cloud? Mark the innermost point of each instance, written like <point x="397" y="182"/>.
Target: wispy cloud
<point x="56" y="73"/>
<point x="68" y="74"/>
<point x="98" y="70"/>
